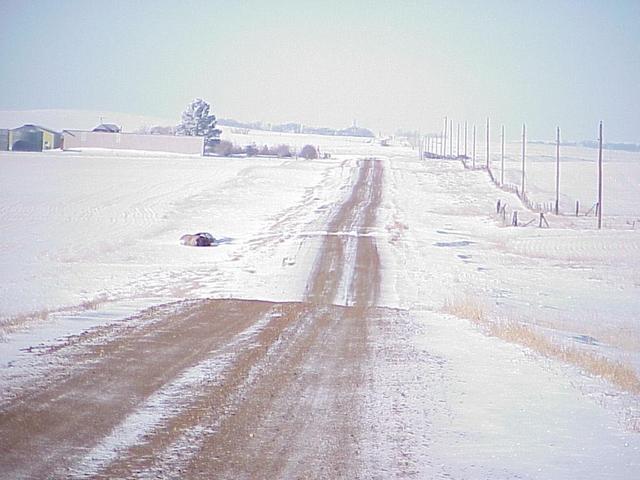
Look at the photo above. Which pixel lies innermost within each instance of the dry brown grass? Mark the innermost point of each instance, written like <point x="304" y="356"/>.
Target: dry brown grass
<point x="468" y="308"/>
<point x="619" y="374"/>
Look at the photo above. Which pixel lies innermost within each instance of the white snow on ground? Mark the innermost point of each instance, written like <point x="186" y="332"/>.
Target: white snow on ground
<point x="94" y="226"/>
<point x="102" y="228"/>
<point x="492" y="409"/>
<point x="579" y="283"/>
<point x="578" y="178"/>
<point x="84" y="233"/>
<point x="450" y="402"/>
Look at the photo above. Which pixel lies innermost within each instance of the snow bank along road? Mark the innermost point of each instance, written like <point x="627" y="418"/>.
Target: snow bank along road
<point x="216" y="388"/>
<point x="334" y="385"/>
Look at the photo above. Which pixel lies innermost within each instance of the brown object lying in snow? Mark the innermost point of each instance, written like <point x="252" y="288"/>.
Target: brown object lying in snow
<point x="201" y="239"/>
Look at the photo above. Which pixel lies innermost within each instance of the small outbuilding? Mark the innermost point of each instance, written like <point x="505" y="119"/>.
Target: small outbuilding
<point x="107" y="128"/>
<point x="4" y="139"/>
<point x="33" y="138"/>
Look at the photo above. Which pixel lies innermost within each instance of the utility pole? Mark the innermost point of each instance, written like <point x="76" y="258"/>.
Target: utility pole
<point x="524" y="136"/>
<point x="450" y="138"/>
<point x="465" y="139"/>
<point x="444" y="138"/>
<point x="488" y="160"/>
<point x="458" y="141"/>
<point x="600" y="179"/>
<point x="502" y="159"/>
<point x="474" y="147"/>
<point x="557" y="170"/>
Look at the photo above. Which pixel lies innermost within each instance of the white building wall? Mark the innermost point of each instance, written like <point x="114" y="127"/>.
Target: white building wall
<point x="133" y="141"/>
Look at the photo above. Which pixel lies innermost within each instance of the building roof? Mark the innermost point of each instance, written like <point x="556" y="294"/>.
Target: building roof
<point x="107" y="127"/>
<point x="37" y="127"/>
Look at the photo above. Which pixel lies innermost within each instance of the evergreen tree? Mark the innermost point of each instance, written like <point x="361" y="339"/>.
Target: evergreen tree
<point x="196" y="121"/>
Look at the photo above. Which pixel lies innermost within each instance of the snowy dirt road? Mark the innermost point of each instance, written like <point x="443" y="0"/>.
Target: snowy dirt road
<point x="216" y="388"/>
<point x="326" y="354"/>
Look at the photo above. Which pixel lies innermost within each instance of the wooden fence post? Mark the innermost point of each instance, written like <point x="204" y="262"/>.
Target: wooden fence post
<point x="543" y="220"/>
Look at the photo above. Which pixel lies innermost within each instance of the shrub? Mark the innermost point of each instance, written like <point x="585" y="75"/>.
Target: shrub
<point x="224" y="148"/>
<point x="283" y="151"/>
<point x="251" y="150"/>
<point x="309" y="152"/>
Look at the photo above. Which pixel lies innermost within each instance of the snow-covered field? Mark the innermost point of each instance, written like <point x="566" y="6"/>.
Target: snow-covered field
<point x="578" y="179"/>
<point x="101" y="226"/>
<point x="89" y="237"/>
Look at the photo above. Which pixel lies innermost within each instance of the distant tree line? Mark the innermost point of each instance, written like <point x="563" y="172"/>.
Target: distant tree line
<point x="298" y="128"/>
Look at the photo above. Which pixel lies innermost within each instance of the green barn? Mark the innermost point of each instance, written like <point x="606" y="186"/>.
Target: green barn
<point x="33" y="138"/>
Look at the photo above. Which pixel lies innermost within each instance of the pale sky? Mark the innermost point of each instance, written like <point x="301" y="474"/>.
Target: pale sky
<point x="388" y="65"/>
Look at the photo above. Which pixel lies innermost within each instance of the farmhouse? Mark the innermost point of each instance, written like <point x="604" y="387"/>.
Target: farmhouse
<point x="107" y="128"/>
<point x="30" y="138"/>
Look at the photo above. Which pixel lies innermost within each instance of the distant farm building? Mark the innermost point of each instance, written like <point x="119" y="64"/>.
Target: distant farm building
<point x="30" y="138"/>
<point x="4" y="139"/>
<point x="78" y="139"/>
<point x="107" y="128"/>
